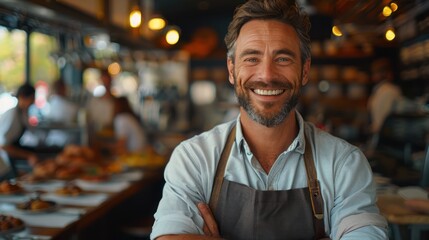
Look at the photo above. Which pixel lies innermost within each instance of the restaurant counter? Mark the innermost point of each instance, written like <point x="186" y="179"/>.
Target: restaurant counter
<point x="99" y="213"/>
<point x="404" y="223"/>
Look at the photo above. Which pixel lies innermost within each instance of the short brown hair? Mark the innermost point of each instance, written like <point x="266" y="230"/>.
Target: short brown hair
<point x="286" y="11"/>
<point x="26" y="90"/>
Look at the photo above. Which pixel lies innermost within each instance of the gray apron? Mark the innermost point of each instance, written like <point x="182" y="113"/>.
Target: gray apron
<point x="245" y="213"/>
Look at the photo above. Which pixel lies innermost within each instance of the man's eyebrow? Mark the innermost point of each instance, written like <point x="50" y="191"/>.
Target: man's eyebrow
<point x="287" y="52"/>
<point x="250" y="52"/>
<point x="277" y="52"/>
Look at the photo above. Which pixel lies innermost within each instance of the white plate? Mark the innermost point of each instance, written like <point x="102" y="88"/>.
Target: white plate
<point x="413" y="193"/>
<point x="12" y="230"/>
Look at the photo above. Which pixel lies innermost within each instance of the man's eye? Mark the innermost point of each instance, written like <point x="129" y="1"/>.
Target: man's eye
<point x="283" y="59"/>
<point x="252" y="60"/>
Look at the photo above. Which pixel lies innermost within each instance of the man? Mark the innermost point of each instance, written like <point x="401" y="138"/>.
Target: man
<point x="386" y="99"/>
<point x="99" y="113"/>
<point x="261" y="190"/>
<point x="14" y="122"/>
<point x="63" y="110"/>
<point x="385" y="96"/>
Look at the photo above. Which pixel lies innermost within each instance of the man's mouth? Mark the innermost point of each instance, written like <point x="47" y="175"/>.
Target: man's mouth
<point x="265" y="92"/>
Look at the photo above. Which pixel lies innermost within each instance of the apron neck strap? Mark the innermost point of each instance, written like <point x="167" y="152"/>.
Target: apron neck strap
<point x="220" y="171"/>
<point x="314" y="189"/>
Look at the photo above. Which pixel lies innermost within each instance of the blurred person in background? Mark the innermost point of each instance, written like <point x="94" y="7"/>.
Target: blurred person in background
<point x="386" y="98"/>
<point x="129" y="133"/>
<point x="62" y="110"/>
<point x="14" y="122"/>
<point x="99" y="112"/>
<point x="385" y="95"/>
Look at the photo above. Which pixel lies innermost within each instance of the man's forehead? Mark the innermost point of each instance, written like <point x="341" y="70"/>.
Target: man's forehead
<point x="271" y="34"/>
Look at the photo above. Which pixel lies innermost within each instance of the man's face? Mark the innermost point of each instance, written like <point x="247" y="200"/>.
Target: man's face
<point x="268" y="72"/>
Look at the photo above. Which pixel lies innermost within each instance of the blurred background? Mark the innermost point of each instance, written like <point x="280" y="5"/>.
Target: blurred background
<point x="169" y="59"/>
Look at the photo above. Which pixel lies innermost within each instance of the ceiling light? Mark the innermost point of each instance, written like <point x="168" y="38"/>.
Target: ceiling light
<point x="135" y="17"/>
<point x="172" y="36"/>
<point x="387" y="11"/>
<point x="156" y="23"/>
<point x="390" y="34"/>
<point x="394" y="6"/>
<point x="337" y="31"/>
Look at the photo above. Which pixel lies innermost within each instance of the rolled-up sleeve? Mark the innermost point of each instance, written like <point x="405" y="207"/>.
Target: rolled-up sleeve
<point x="355" y="214"/>
<point x="177" y="211"/>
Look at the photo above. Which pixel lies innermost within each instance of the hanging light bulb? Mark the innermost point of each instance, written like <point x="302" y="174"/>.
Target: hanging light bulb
<point x="156" y="23"/>
<point x="387" y="11"/>
<point x="337" y="31"/>
<point x="394" y="6"/>
<point x="172" y="36"/>
<point x="135" y="17"/>
<point x="390" y="34"/>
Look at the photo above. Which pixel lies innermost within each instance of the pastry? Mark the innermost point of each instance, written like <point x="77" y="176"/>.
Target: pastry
<point x="7" y="187"/>
<point x="69" y="190"/>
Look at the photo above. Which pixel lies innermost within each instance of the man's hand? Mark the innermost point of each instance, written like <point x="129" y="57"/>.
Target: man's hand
<point x="210" y="229"/>
<point x="210" y="225"/>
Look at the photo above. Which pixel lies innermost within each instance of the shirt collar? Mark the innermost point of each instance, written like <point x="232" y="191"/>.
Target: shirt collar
<point x="298" y="144"/>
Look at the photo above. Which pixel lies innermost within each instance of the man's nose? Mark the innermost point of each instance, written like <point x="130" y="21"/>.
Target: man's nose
<point x="267" y="70"/>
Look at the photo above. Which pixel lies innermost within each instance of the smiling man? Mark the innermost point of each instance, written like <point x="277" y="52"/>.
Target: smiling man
<point x="268" y="174"/>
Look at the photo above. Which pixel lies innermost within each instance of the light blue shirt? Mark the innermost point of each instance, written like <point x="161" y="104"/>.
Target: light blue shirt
<point x="345" y="178"/>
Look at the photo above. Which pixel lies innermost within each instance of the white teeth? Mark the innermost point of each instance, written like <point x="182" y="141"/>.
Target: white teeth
<point x="268" y="92"/>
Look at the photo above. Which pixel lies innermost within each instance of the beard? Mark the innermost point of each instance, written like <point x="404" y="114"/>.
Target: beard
<point x="268" y="120"/>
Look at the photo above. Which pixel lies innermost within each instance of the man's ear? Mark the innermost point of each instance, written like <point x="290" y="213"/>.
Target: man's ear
<point x="306" y="71"/>
<point x="230" y="65"/>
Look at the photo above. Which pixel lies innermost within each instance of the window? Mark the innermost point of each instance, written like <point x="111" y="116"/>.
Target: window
<point x="43" y="67"/>
<point x="12" y="59"/>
